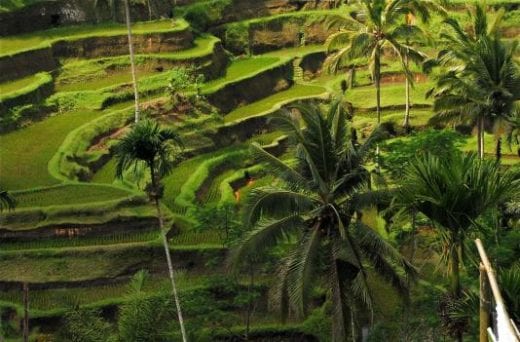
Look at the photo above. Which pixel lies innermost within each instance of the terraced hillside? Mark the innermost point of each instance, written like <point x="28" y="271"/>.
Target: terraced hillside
<point x="79" y="235"/>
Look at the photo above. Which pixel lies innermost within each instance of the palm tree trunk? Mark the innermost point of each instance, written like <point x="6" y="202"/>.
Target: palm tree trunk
<point x="480" y="137"/>
<point x="377" y="79"/>
<point x="498" y="150"/>
<point x="168" y="256"/>
<point x="149" y="10"/>
<point x="132" y="59"/>
<point x="455" y="280"/>
<point x="25" y="312"/>
<point x="455" y="273"/>
<point x="406" y="123"/>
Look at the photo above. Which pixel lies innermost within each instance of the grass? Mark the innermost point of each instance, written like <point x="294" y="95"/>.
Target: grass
<point x="77" y="267"/>
<point x="391" y="95"/>
<point x="93" y="74"/>
<point x="26" y="152"/>
<point x="418" y="117"/>
<point x="39" y="80"/>
<point x="110" y="239"/>
<point x="13" y="44"/>
<point x="68" y="194"/>
<point x="11" y="5"/>
<point x="105" y="174"/>
<point x="296" y="51"/>
<point x="93" y="262"/>
<point x="203" y="46"/>
<point x="298" y="91"/>
<point x="12" y="86"/>
<point x="49" y="299"/>
<point x="241" y="68"/>
<point x="120" y="76"/>
<point x="187" y="198"/>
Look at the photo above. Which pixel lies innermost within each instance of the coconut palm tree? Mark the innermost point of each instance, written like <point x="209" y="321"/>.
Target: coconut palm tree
<point x="376" y="26"/>
<point x="149" y="144"/>
<point x="453" y="193"/>
<point x="317" y="209"/>
<point x="7" y="201"/>
<point x="482" y="80"/>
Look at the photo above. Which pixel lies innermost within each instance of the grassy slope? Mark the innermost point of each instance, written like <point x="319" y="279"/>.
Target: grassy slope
<point x="69" y="193"/>
<point x="12" y="86"/>
<point x="34" y="40"/>
<point x="268" y="103"/>
<point x="240" y="68"/>
<point x="391" y="95"/>
<point x="26" y="152"/>
<point x="92" y="74"/>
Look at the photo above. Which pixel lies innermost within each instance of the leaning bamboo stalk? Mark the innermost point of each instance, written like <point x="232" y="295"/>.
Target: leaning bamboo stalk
<point x="484" y="304"/>
<point x="505" y="330"/>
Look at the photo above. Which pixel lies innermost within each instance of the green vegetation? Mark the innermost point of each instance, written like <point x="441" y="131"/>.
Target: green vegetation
<point x="239" y="69"/>
<point x="8" y="87"/>
<point x="251" y="155"/>
<point x="24" y="165"/>
<point x="66" y="194"/>
<point x="275" y="101"/>
<point x="30" y="41"/>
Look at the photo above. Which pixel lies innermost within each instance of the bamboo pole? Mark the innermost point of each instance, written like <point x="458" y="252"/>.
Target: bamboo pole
<point x="484" y="304"/>
<point x="506" y="331"/>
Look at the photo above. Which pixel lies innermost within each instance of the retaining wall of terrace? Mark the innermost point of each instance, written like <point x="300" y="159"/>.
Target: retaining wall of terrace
<point x="249" y="90"/>
<point x="313" y="62"/>
<point x="47" y="14"/>
<point x="67" y="231"/>
<point x="26" y="63"/>
<point x="33" y="94"/>
<point x="29" y="62"/>
<point x="92" y="47"/>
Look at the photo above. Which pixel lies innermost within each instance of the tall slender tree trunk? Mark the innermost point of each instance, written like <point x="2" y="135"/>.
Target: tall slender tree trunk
<point x="455" y="278"/>
<point x="149" y="10"/>
<point x="480" y="137"/>
<point x="377" y="79"/>
<point x="132" y="59"/>
<point x="167" y="252"/>
<point x="406" y="123"/>
<point x="498" y="149"/>
<point x="25" y="312"/>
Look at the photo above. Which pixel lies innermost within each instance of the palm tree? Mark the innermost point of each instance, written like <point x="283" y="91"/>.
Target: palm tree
<point x="453" y="193"/>
<point x="374" y="28"/>
<point x="149" y="144"/>
<point x="7" y="201"/>
<point x="317" y="208"/>
<point x="482" y="80"/>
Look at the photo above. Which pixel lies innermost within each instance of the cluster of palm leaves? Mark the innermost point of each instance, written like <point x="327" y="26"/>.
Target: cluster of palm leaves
<point x="317" y="209"/>
<point x="377" y="27"/>
<point x="480" y="82"/>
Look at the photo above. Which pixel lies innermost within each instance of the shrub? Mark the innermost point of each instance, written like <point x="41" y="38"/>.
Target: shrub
<point x="202" y="15"/>
<point x="83" y="325"/>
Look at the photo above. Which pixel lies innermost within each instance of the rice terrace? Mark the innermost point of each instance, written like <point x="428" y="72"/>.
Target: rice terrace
<point x="259" y="170"/>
